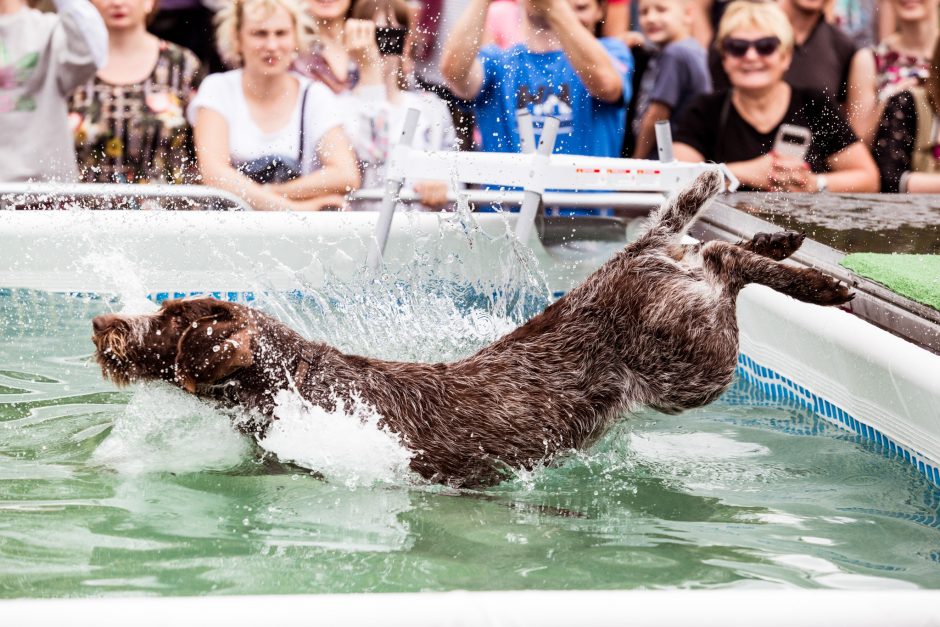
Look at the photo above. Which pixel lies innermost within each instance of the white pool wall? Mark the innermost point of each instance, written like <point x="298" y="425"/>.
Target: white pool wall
<point x="710" y="608"/>
<point x="855" y="375"/>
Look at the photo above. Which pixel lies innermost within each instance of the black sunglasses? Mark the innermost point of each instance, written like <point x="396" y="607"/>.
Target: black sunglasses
<point x="764" y="46"/>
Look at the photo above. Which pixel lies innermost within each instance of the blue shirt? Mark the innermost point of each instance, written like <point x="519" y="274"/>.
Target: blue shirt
<point x="546" y="84"/>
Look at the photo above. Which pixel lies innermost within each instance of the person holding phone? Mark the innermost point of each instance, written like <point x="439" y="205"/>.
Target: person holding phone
<point x="375" y="36"/>
<point x="742" y="126"/>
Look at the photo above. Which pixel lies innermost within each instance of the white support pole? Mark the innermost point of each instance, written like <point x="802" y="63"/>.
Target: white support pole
<point x="526" y="131"/>
<point x="664" y="141"/>
<point x="533" y="190"/>
<point x="394" y="181"/>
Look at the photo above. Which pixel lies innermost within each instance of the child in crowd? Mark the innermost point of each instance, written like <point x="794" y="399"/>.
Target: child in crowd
<point x="44" y="57"/>
<point x="675" y="74"/>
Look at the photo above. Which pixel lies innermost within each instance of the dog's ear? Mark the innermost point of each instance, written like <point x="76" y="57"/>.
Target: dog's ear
<point x="212" y="348"/>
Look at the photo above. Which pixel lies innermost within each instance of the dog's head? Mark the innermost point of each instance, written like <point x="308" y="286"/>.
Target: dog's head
<point x="186" y="342"/>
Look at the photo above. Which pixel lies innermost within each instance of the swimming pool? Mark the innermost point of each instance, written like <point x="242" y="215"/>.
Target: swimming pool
<point x="148" y="492"/>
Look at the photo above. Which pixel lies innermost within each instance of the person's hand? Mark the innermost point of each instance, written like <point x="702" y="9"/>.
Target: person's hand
<point x="756" y="173"/>
<point x="791" y="174"/>
<point x="321" y="203"/>
<point x="359" y="40"/>
<point x="432" y="194"/>
<point x="632" y="38"/>
<point x="905" y="84"/>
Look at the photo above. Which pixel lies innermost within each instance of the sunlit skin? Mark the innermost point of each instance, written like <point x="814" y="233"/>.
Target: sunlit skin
<point x="359" y="39"/>
<point x="268" y="44"/>
<point x="761" y="97"/>
<point x="753" y="71"/>
<point x="328" y="10"/>
<point x="124" y="15"/>
<point x="132" y="51"/>
<point x="550" y="25"/>
<point x="589" y="13"/>
<point x="665" y="21"/>
<point x="914" y="10"/>
<point x="662" y="22"/>
<point x="916" y="34"/>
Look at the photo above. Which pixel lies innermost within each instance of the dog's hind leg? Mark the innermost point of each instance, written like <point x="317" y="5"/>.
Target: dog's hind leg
<point x="778" y="246"/>
<point x="677" y="213"/>
<point x="736" y="267"/>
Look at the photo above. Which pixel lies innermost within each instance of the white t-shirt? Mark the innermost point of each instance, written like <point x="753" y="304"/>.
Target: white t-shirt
<point x="374" y="125"/>
<point x="223" y="93"/>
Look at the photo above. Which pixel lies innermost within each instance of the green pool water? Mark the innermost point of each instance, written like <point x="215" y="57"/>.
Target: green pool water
<point x="146" y="491"/>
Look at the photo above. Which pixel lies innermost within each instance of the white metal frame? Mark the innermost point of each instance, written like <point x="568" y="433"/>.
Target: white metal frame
<point x="12" y="194"/>
<point x="533" y="172"/>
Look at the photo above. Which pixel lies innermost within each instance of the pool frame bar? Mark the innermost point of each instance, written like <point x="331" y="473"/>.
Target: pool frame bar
<point x="542" y="608"/>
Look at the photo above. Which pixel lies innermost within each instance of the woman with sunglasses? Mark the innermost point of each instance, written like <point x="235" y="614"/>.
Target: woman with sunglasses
<point x="740" y="126"/>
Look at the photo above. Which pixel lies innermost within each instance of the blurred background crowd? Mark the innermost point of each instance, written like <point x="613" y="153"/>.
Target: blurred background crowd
<point x="290" y="104"/>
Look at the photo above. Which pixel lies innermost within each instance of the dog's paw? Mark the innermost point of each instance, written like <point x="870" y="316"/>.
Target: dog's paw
<point x="776" y="246"/>
<point x="828" y="291"/>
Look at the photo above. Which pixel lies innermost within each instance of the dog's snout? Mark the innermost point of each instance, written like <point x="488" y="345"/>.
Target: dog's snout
<point x="102" y="323"/>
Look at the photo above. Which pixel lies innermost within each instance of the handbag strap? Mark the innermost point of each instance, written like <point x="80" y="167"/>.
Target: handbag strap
<point x="303" y="117"/>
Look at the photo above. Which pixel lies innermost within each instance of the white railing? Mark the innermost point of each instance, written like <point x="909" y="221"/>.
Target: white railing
<point x="533" y="172"/>
<point x="116" y="196"/>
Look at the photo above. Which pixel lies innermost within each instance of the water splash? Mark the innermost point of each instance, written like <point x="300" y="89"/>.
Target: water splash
<point x="164" y="429"/>
<point x="346" y="446"/>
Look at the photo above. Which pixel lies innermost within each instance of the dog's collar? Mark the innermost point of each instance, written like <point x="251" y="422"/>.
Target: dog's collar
<point x="307" y="360"/>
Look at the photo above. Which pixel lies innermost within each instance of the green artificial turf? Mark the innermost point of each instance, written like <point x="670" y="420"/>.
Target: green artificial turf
<point x="915" y="276"/>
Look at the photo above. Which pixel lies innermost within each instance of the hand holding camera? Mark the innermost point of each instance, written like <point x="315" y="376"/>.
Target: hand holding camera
<point x="360" y="40"/>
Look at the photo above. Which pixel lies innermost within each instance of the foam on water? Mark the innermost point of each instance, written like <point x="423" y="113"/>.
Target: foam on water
<point x="346" y="446"/>
<point x="164" y="429"/>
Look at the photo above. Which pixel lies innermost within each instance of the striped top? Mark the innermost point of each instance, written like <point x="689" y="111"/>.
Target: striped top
<point x="137" y="132"/>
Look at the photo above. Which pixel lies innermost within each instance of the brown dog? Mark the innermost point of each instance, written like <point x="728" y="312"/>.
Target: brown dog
<point x="653" y="326"/>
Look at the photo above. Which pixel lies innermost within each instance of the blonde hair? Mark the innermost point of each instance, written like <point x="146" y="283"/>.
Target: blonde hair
<point x="229" y="20"/>
<point x="767" y="16"/>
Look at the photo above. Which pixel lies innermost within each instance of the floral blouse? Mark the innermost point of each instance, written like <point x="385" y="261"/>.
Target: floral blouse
<point x="137" y="133"/>
<point x="892" y="67"/>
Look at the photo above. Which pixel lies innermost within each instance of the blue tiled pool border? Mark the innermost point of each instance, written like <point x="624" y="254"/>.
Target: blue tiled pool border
<point x="779" y="387"/>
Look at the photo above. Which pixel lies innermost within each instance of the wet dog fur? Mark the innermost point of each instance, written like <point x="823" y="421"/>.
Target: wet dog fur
<point x="654" y="326"/>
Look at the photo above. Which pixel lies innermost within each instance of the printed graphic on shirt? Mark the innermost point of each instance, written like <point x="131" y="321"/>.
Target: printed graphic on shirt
<point x="544" y="104"/>
<point x="13" y="76"/>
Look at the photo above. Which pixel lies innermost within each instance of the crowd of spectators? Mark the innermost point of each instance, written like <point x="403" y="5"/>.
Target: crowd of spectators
<point x="296" y="102"/>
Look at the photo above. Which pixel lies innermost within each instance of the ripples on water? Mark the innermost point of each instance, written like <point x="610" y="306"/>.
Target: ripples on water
<point x="149" y="491"/>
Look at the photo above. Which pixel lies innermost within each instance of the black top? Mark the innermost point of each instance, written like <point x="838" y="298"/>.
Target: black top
<point x="712" y="125"/>
<point x="822" y="63"/>
<point x="895" y="140"/>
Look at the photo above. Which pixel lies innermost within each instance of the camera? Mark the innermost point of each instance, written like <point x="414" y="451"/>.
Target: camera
<point x="390" y="40"/>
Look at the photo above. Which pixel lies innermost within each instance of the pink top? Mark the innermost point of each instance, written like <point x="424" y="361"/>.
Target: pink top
<point x="504" y="24"/>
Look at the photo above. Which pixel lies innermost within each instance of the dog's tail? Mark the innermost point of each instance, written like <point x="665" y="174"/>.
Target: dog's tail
<point x="676" y="214"/>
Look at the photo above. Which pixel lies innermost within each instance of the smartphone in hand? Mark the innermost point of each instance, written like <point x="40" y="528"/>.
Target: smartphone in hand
<point x="792" y="141"/>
